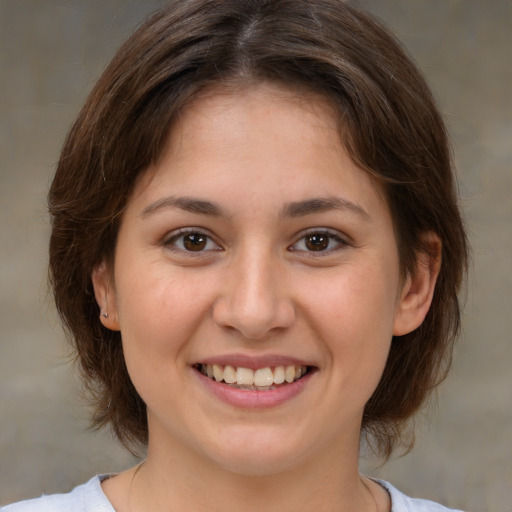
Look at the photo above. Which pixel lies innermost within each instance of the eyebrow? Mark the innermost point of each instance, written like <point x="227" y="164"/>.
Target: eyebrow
<point x="323" y="204"/>
<point x="293" y="210"/>
<point x="188" y="204"/>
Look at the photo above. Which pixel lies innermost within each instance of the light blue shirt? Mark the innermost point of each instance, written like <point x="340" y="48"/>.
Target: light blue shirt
<point x="90" y="497"/>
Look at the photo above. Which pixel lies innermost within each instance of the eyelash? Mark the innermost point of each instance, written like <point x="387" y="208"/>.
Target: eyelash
<point x="323" y="235"/>
<point x="330" y="237"/>
<point x="171" y="242"/>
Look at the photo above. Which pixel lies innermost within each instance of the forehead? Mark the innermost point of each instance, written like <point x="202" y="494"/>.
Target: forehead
<point x="262" y="133"/>
<point x="246" y="107"/>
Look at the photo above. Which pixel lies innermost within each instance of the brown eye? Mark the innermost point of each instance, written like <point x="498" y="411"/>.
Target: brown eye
<point x="186" y="241"/>
<point x="317" y="242"/>
<point x="194" y="241"/>
<point x="320" y="241"/>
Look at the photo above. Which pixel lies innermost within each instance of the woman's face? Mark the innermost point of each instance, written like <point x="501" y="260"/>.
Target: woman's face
<point x="255" y="252"/>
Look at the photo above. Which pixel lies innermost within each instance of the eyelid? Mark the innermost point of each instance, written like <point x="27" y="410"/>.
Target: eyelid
<point x="343" y="241"/>
<point x="174" y="235"/>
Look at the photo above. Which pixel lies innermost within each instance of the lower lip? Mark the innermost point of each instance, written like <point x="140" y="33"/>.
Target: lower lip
<point x="253" y="399"/>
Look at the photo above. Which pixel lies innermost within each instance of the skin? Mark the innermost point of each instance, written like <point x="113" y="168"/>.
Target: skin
<point x="256" y="289"/>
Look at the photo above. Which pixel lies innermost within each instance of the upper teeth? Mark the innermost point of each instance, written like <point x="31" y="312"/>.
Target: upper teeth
<point x="262" y="377"/>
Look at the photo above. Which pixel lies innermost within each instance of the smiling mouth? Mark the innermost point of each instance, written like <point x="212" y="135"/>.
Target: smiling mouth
<point x="262" y="379"/>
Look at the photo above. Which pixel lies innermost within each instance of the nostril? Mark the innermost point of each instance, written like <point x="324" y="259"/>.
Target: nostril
<point x="254" y="319"/>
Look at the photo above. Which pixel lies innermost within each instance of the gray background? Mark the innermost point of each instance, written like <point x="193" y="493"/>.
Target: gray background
<point x="51" y="51"/>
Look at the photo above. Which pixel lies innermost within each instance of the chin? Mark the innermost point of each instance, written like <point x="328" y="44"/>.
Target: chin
<point x="257" y="456"/>
<point x="248" y="465"/>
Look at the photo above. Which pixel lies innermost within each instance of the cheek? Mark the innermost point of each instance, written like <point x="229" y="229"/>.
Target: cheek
<point x="353" y="314"/>
<point x="159" y="313"/>
<point x="355" y="300"/>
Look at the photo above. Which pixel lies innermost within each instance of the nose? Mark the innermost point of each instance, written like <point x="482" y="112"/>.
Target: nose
<point x="254" y="298"/>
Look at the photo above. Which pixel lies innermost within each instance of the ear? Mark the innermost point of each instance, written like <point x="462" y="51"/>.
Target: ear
<point x="416" y="295"/>
<point x="105" y="297"/>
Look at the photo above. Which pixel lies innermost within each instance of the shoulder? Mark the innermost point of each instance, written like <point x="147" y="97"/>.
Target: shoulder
<point x="87" y="497"/>
<point x="402" y="503"/>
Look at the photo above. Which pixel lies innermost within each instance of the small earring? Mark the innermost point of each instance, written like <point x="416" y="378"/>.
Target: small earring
<point x="104" y="315"/>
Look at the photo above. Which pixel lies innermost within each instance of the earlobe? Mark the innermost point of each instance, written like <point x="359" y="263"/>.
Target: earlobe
<point x="105" y="297"/>
<point x="418" y="291"/>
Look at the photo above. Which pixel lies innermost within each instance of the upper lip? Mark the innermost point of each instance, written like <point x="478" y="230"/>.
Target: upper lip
<point x="254" y="361"/>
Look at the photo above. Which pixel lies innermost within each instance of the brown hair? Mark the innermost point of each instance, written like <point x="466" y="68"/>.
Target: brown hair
<point x="392" y="130"/>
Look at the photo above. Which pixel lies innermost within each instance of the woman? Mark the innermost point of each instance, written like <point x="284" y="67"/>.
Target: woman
<point x="256" y="249"/>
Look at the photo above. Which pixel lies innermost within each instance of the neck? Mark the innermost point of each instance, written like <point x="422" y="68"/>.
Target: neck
<point x="177" y="479"/>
